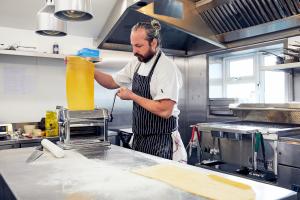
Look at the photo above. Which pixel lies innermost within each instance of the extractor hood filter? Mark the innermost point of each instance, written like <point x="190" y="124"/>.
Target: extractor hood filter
<point x="48" y="24"/>
<point x="73" y="10"/>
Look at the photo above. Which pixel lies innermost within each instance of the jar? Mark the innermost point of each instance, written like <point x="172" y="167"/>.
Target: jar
<point x="51" y="124"/>
<point x="55" y="49"/>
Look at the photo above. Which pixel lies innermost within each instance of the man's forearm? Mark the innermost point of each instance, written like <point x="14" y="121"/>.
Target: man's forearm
<point x="162" y="108"/>
<point x="105" y="80"/>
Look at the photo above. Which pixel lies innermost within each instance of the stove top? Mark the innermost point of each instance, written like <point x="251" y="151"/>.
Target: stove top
<point x="248" y="127"/>
<point x="264" y="124"/>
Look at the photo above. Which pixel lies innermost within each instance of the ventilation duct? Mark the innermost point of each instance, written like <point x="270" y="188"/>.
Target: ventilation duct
<point x="171" y="8"/>
<point x="179" y="35"/>
<point x="209" y="25"/>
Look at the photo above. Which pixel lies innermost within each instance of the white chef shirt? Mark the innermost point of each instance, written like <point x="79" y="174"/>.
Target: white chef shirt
<point x="165" y="81"/>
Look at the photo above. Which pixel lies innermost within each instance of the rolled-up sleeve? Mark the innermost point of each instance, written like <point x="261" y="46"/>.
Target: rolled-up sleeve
<point x="124" y="76"/>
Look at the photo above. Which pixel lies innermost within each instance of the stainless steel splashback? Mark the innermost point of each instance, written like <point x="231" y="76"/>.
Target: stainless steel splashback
<point x="275" y="113"/>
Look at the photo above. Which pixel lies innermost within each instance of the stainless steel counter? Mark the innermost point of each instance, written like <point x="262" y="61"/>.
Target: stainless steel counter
<point x="30" y="142"/>
<point x="234" y="142"/>
<point x="100" y="173"/>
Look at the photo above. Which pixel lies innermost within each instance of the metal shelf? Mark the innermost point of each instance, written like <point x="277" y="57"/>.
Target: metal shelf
<point x="32" y="54"/>
<point x="281" y="66"/>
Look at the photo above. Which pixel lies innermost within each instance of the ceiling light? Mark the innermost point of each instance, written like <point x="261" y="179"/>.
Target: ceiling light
<point x="73" y="10"/>
<point x="48" y="24"/>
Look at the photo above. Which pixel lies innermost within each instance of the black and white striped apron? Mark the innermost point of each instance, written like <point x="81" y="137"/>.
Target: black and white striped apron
<point x="152" y="134"/>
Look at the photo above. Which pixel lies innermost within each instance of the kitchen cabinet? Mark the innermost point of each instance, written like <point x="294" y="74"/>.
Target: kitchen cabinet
<point x="23" y="142"/>
<point x="8" y="146"/>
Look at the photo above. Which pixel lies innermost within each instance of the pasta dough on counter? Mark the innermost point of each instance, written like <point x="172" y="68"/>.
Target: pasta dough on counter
<point x="205" y="185"/>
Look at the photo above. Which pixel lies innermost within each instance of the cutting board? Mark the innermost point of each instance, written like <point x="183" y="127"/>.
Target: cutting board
<point x="205" y="185"/>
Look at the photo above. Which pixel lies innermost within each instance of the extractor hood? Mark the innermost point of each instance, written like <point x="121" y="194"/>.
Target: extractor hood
<point x="234" y="20"/>
<point x="209" y="25"/>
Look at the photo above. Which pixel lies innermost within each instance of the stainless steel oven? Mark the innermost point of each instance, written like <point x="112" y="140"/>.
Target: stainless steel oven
<point x="289" y="162"/>
<point x="252" y="143"/>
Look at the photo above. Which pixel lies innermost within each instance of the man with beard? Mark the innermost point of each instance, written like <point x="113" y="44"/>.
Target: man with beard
<point x="155" y="81"/>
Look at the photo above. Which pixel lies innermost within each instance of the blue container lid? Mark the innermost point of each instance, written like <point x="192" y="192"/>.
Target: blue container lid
<point x="86" y="52"/>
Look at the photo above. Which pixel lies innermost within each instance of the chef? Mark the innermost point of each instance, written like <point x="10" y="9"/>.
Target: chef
<point x="155" y="82"/>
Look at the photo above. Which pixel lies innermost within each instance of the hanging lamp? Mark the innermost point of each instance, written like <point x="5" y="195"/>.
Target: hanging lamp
<point x="73" y="10"/>
<point x="48" y="24"/>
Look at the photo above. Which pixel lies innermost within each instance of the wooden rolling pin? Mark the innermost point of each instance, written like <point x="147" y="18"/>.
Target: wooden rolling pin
<point x="54" y="149"/>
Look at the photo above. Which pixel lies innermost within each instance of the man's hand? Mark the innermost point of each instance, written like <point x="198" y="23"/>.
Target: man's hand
<point x="162" y="108"/>
<point x="125" y="94"/>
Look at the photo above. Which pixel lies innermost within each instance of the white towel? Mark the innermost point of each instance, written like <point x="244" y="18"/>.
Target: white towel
<point x="179" y="152"/>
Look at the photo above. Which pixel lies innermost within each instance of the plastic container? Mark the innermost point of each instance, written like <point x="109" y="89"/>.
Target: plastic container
<point x="86" y="52"/>
<point x="51" y="124"/>
<point x="29" y="129"/>
<point x="80" y="83"/>
<point x="37" y="132"/>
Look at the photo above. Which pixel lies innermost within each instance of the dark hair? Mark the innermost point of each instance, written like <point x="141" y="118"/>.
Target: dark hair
<point x="152" y="30"/>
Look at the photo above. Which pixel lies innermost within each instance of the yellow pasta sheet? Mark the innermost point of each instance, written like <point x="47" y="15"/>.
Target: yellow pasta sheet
<point x="205" y="185"/>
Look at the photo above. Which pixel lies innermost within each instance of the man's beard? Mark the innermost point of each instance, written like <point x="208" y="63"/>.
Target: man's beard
<point x="149" y="55"/>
